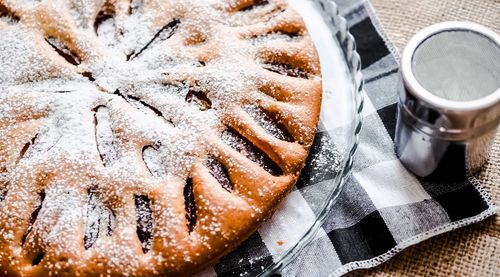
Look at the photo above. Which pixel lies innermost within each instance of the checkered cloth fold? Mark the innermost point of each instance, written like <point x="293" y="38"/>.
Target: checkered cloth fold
<point x="383" y="208"/>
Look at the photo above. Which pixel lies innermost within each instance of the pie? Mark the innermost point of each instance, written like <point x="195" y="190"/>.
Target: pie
<point x="147" y="137"/>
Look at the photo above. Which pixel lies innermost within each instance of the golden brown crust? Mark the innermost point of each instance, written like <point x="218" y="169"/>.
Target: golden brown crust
<point x="147" y="137"/>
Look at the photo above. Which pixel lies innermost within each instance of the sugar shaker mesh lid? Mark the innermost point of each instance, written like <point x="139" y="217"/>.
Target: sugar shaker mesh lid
<point x="458" y="65"/>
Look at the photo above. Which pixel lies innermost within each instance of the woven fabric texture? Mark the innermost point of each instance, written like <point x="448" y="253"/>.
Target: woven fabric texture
<point x="473" y="250"/>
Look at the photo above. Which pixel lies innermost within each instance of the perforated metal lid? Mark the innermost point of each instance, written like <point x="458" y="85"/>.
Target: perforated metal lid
<point x="458" y="65"/>
<point x="454" y="65"/>
<point x="451" y="78"/>
<point x="449" y="99"/>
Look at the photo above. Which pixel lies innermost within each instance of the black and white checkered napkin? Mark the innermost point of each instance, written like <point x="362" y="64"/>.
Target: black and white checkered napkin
<point x="383" y="208"/>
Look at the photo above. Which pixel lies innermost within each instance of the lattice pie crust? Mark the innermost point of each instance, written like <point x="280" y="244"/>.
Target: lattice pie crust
<point x="147" y="137"/>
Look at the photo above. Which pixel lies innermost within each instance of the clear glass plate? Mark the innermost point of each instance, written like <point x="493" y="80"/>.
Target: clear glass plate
<point x="331" y="159"/>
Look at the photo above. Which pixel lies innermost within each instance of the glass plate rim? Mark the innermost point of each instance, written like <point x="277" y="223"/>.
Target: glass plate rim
<point x="340" y="32"/>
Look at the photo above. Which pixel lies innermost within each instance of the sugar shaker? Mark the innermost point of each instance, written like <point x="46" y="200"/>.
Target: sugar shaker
<point x="449" y="99"/>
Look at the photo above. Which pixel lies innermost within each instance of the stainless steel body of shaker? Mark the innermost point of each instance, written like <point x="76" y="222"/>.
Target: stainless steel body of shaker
<point x="449" y="99"/>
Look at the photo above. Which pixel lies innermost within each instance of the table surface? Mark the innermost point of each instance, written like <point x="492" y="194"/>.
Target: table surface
<point x="472" y="250"/>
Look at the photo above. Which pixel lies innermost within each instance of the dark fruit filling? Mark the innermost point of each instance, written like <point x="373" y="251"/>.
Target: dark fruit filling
<point x="135" y="5"/>
<point x="286" y="69"/>
<point x="105" y="14"/>
<point x="255" y="4"/>
<point x="3" y="194"/>
<point x="200" y="98"/>
<point x="242" y="145"/>
<point x="269" y="122"/>
<point x="6" y="13"/>
<point x="26" y="147"/>
<point x="106" y="145"/>
<point x="38" y="259"/>
<point x="219" y="172"/>
<point x="98" y="217"/>
<point x="163" y="34"/>
<point x="144" y="219"/>
<point x="63" y="50"/>
<point x="189" y="205"/>
<point x="33" y="217"/>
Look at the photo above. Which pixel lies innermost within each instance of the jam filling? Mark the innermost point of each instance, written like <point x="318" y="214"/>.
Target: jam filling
<point x="189" y="205"/>
<point x="106" y="145"/>
<point x="219" y="172"/>
<point x="286" y="69"/>
<point x="26" y="148"/>
<point x="34" y="216"/>
<point x="274" y="35"/>
<point x="38" y="259"/>
<point x="63" y="50"/>
<point x="153" y="161"/>
<point x="200" y="99"/>
<point x="255" y="4"/>
<point x="141" y="105"/>
<point x="3" y="194"/>
<point x="93" y="224"/>
<point x="246" y="148"/>
<point x="97" y="216"/>
<point x="146" y="150"/>
<point x="9" y="15"/>
<point x="88" y="75"/>
<point x="269" y="122"/>
<point x="106" y="13"/>
<point x="163" y="34"/>
<point x="134" y="6"/>
<point x="144" y="219"/>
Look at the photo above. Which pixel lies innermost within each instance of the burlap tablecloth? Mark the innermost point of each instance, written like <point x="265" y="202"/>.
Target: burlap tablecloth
<point x="473" y="250"/>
